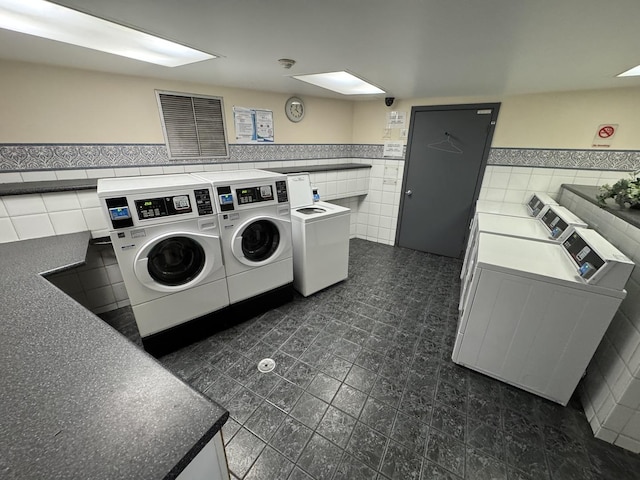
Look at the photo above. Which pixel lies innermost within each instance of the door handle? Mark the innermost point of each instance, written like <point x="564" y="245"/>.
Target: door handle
<point x="408" y="193"/>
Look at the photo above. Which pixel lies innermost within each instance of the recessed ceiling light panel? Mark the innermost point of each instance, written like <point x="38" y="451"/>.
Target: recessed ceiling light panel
<point x="633" y="72"/>
<point x="55" y="22"/>
<point x="341" y="82"/>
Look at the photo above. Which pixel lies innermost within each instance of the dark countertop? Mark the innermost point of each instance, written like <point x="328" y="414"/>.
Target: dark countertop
<point x="589" y="192"/>
<point x="49" y="186"/>
<point x="318" y="168"/>
<point x="78" y="399"/>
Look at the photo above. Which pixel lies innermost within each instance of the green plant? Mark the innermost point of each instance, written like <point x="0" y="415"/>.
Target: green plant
<point x="625" y="192"/>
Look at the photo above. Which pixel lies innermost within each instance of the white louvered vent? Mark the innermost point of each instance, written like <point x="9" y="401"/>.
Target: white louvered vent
<point x="193" y="125"/>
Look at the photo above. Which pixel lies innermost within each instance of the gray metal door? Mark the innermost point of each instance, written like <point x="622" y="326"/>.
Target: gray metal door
<point x="447" y="152"/>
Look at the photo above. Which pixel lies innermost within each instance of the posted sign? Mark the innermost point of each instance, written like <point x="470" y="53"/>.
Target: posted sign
<point x="604" y="135"/>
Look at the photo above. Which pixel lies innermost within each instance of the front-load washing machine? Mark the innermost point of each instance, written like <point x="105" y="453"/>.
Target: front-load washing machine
<point x="320" y="233"/>
<point x="255" y="229"/>
<point x="534" y="312"/>
<point x="166" y="238"/>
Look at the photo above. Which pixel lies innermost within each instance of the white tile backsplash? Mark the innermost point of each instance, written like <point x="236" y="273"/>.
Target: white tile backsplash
<point x="71" y="174"/>
<point x="10" y="177"/>
<point x="88" y="198"/>
<point x="24" y="204"/>
<point x="39" y="176"/>
<point x="7" y="232"/>
<point x="57" y="202"/>
<point x="33" y="226"/>
<point x="613" y="372"/>
<point x="69" y="221"/>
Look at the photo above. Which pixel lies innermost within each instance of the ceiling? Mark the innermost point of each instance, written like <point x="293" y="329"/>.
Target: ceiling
<point x="409" y="48"/>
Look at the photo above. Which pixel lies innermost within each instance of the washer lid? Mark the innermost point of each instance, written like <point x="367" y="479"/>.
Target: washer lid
<point x="300" y="193"/>
<point x="317" y="212"/>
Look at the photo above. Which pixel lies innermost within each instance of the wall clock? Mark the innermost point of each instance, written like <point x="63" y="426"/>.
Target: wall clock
<point x="294" y="108"/>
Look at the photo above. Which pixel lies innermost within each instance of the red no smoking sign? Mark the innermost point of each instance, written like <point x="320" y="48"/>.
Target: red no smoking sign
<point x="604" y="135"/>
<point x="606" y="131"/>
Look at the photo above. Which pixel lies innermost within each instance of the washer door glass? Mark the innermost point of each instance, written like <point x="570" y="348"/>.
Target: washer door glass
<point x="260" y="240"/>
<point x="175" y="261"/>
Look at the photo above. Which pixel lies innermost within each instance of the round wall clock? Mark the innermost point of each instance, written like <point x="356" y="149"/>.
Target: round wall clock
<point x="294" y="108"/>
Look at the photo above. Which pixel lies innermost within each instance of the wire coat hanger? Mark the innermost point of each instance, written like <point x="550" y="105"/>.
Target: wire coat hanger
<point x="445" y="145"/>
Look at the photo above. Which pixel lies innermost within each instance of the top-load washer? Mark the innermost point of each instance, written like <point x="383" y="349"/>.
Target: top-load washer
<point x="532" y="208"/>
<point x="320" y="233"/>
<point x="551" y="226"/>
<point x="255" y="228"/>
<point x="534" y="312"/>
<point x="165" y="235"/>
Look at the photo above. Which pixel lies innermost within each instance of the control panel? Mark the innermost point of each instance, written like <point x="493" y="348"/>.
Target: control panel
<point x="535" y="205"/>
<point x="251" y="195"/>
<point x="587" y="260"/>
<point x="254" y="194"/>
<point x="121" y="214"/>
<point x="554" y="223"/>
<point x="281" y="190"/>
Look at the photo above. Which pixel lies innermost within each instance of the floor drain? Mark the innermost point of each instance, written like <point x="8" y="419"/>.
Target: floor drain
<point x="266" y="365"/>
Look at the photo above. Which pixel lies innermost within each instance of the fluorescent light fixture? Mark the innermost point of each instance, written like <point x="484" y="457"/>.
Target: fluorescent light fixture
<point x="634" y="72"/>
<point x="55" y="22"/>
<point x="341" y="82"/>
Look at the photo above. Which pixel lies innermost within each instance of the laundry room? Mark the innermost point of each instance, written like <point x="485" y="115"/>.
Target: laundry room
<point x="308" y="298"/>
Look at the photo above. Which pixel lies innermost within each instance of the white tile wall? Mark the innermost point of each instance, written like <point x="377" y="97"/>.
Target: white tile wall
<point x="610" y="391"/>
<point x="516" y="184"/>
<point x="98" y="284"/>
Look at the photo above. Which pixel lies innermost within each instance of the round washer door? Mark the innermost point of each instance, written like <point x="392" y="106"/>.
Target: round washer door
<point x="260" y="241"/>
<point x="175" y="261"/>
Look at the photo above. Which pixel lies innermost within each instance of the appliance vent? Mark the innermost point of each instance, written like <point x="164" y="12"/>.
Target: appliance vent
<point x="193" y="125"/>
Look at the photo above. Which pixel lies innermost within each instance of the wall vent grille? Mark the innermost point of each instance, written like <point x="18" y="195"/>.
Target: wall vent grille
<point x="193" y="125"/>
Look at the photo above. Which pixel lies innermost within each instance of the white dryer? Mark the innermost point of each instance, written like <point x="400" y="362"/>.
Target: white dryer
<point x="551" y="226"/>
<point x="532" y="208"/>
<point x="165" y="235"/>
<point x="320" y="233"/>
<point x="255" y="228"/>
<point x="534" y="312"/>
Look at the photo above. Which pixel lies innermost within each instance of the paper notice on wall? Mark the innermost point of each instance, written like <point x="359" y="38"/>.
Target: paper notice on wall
<point x="253" y="125"/>
<point x="396" y="119"/>
<point x="604" y="135"/>
<point x="393" y="149"/>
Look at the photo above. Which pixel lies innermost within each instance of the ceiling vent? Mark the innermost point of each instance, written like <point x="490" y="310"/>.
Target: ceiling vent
<point x="193" y="125"/>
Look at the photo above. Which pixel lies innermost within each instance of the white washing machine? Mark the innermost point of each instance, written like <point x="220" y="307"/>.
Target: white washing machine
<point x="534" y="312"/>
<point x="320" y="233"/>
<point x="166" y="238"/>
<point x="255" y="228"/>
<point x="551" y="226"/>
<point x="532" y="208"/>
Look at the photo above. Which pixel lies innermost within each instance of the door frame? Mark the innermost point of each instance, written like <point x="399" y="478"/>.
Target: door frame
<point x="485" y="153"/>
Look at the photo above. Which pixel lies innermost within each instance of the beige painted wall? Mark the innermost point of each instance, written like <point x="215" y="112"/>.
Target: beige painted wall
<point x="43" y="104"/>
<point x="548" y="120"/>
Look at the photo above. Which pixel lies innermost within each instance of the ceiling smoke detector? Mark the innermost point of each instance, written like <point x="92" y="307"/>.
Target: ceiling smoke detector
<point x="287" y="63"/>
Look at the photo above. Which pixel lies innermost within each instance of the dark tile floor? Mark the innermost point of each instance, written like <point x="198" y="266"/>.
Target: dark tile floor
<point x="364" y="388"/>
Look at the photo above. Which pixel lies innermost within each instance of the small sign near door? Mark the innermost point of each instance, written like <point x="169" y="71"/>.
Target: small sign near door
<point x="604" y="135"/>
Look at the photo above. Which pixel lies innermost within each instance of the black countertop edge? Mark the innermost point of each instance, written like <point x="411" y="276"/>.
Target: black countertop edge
<point x="206" y="438"/>
<point x="589" y="192"/>
<point x="318" y="168"/>
<point x="52" y="186"/>
<point x="48" y="186"/>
